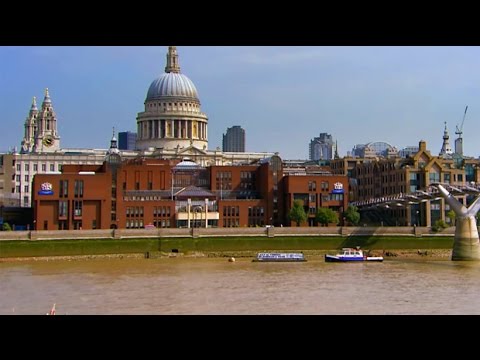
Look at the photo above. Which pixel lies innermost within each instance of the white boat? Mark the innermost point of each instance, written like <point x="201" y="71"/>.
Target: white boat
<point x="280" y="257"/>
<point x="351" y="254"/>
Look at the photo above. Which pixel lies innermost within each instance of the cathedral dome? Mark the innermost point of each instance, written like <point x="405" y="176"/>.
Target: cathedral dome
<point x="170" y="85"/>
<point x="172" y="118"/>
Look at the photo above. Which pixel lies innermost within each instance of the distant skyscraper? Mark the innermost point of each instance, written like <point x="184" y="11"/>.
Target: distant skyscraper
<point x="126" y="140"/>
<point x="322" y="148"/>
<point x="234" y="140"/>
<point x="408" y="151"/>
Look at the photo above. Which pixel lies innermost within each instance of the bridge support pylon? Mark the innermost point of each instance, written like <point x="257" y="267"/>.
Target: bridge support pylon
<point x="466" y="245"/>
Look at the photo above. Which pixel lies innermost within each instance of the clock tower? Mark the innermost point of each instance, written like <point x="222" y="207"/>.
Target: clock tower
<point x="46" y="138"/>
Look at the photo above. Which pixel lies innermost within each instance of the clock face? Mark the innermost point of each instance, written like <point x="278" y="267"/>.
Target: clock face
<point x="48" y="141"/>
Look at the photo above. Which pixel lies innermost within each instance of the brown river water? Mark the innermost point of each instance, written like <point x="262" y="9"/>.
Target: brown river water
<point x="216" y="286"/>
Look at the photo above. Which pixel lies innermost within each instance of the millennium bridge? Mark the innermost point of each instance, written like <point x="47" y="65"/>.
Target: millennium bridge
<point x="466" y="244"/>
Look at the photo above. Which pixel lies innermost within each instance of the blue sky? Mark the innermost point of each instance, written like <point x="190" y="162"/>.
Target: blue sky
<point x="282" y="96"/>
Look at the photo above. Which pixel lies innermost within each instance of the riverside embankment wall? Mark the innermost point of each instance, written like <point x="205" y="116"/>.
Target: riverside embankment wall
<point x="222" y="240"/>
<point x="223" y="232"/>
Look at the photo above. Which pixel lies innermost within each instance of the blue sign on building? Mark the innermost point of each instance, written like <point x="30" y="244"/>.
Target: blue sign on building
<point x="337" y="188"/>
<point x="46" y="189"/>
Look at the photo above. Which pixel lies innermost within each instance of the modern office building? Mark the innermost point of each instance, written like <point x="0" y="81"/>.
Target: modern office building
<point x="127" y="140"/>
<point x="322" y="147"/>
<point x="408" y="151"/>
<point x="234" y="140"/>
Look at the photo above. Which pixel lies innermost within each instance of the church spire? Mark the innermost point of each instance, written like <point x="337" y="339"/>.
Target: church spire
<point x="113" y="153"/>
<point x="113" y="142"/>
<point x="30" y="128"/>
<point x="47" y="97"/>
<point x="446" y="148"/>
<point x="173" y="66"/>
<point x="34" y="104"/>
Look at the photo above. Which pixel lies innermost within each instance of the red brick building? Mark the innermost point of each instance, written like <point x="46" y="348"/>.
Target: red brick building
<point x="317" y="191"/>
<point x="172" y="193"/>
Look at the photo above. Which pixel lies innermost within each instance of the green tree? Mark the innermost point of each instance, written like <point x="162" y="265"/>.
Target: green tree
<point x="439" y="226"/>
<point x="451" y="215"/>
<point x="6" y="227"/>
<point x="326" y="216"/>
<point x="352" y="215"/>
<point x="297" y="212"/>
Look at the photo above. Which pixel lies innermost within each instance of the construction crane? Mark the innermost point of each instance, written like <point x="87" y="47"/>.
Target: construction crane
<point x="459" y="132"/>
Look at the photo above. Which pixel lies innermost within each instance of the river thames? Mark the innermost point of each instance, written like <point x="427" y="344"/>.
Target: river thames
<point x="215" y="286"/>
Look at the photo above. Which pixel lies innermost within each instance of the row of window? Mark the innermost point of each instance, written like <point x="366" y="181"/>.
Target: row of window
<point x="77" y="225"/>
<point x="385" y="178"/>
<point x="224" y="185"/>
<point x="139" y="223"/>
<point x="161" y="223"/>
<point x="224" y="175"/>
<point x="247" y="186"/>
<point x="231" y="211"/>
<point x="161" y="211"/>
<point x="18" y="178"/>
<point x="231" y="222"/>
<point x="247" y="175"/>
<point x="182" y="105"/>
<point x="77" y="189"/>
<point x="35" y="167"/>
<point x="17" y="188"/>
<point x="312" y="198"/>
<point x="134" y="224"/>
<point x="63" y="208"/>
<point x="256" y="211"/>
<point x="312" y="186"/>
<point x="142" y="198"/>
<point x="255" y="222"/>
<point x="386" y="190"/>
<point x="134" y="211"/>
<point x="365" y="170"/>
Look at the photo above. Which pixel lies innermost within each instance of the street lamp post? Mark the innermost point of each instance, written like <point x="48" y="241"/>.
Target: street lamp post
<point x="195" y="212"/>
<point x="418" y="217"/>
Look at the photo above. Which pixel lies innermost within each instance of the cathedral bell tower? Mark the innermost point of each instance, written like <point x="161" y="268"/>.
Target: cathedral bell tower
<point x="46" y="138"/>
<point x="30" y="128"/>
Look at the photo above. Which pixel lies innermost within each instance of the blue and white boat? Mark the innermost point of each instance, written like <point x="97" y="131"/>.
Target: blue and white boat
<point x="351" y="254"/>
<point x="280" y="257"/>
